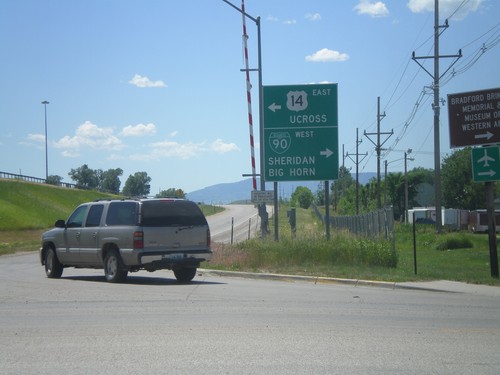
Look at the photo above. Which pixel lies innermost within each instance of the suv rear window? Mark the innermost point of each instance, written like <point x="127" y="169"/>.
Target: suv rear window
<point x="122" y="213"/>
<point x="163" y="213"/>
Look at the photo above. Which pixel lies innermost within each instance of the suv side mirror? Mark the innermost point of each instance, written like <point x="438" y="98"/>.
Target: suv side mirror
<point x="60" y="224"/>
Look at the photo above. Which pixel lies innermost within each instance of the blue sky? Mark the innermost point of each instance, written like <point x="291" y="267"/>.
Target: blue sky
<point x="156" y="86"/>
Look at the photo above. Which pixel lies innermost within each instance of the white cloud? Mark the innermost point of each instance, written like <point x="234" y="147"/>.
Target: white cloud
<point x="446" y="7"/>
<point x="220" y="147"/>
<point x="170" y="149"/>
<point x="313" y="16"/>
<point x="276" y="19"/>
<point x="36" y="138"/>
<point x="141" y="81"/>
<point x="138" y="130"/>
<point x="89" y="136"/>
<point x="372" y="9"/>
<point x="326" y="55"/>
<point x="70" y="154"/>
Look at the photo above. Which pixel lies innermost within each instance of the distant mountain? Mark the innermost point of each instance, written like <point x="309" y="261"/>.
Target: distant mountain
<point x="240" y="191"/>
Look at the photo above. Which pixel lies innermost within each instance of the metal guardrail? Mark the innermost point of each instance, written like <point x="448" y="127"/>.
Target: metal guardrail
<point x="38" y="180"/>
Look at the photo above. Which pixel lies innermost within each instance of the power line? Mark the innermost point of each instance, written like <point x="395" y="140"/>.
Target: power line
<point x="461" y="68"/>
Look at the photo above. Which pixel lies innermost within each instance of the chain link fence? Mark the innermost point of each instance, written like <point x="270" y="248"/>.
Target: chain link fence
<point x="379" y="223"/>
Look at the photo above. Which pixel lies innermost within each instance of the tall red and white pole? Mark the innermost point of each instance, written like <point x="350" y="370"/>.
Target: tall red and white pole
<point x="249" y="97"/>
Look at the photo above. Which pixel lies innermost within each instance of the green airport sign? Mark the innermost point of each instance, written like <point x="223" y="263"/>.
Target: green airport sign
<point x="486" y="164"/>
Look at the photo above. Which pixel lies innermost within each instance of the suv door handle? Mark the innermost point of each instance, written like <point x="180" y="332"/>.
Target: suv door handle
<point x="94" y="235"/>
<point x="77" y="234"/>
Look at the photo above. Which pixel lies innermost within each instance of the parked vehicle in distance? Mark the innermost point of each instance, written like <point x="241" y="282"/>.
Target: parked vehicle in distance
<point x="478" y="221"/>
<point x="122" y="236"/>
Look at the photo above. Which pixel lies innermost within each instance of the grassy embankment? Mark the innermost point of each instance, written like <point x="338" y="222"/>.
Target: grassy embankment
<point x="458" y="256"/>
<point x="27" y="210"/>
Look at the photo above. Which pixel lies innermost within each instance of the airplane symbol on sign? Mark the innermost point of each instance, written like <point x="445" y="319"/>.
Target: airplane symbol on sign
<point x="485" y="159"/>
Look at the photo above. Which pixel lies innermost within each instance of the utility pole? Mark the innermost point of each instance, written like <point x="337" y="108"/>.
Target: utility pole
<point x="378" y="147"/>
<point x="358" y="142"/>
<point x="436" y="77"/>
<point x="339" y="180"/>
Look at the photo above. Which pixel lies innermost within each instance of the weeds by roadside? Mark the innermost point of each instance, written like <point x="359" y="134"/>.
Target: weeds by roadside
<point x="457" y="256"/>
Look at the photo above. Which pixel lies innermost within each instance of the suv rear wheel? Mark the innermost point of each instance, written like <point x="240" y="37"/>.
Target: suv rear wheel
<point x="113" y="267"/>
<point x="184" y="274"/>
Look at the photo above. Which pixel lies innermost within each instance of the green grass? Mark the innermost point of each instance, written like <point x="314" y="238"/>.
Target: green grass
<point x="28" y="206"/>
<point x="28" y="209"/>
<point x="458" y="256"/>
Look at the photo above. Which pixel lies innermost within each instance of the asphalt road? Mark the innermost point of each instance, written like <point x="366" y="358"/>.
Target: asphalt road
<point x="80" y="324"/>
<point x="237" y="222"/>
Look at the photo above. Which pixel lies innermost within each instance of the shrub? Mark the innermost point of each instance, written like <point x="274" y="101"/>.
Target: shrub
<point x="312" y="251"/>
<point x="454" y="242"/>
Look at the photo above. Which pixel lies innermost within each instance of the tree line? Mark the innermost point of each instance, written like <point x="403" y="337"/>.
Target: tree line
<point x="136" y="185"/>
<point x="458" y="189"/>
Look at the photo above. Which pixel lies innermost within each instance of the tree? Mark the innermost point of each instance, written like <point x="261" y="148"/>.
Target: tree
<point x="368" y="196"/>
<point x="418" y="177"/>
<point x="54" y="180"/>
<point x="109" y="180"/>
<point x="395" y="190"/>
<point x="347" y="203"/>
<point x="302" y="196"/>
<point x="137" y="185"/>
<point x="341" y="186"/>
<point x="320" y="195"/>
<point x="421" y="175"/>
<point x="459" y="190"/>
<point x="84" y="177"/>
<point x="171" y="193"/>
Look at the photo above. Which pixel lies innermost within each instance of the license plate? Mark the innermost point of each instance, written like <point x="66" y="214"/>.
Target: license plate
<point x="173" y="256"/>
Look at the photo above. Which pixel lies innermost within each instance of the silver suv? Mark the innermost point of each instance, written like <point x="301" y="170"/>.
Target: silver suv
<point x="128" y="235"/>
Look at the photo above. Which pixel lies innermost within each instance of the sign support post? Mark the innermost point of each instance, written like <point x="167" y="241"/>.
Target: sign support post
<point x="474" y="119"/>
<point x="492" y="237"/>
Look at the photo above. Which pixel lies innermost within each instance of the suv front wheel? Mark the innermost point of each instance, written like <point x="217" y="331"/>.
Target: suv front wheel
<point x="113" y="267"/>
<point x="53" y="268"/>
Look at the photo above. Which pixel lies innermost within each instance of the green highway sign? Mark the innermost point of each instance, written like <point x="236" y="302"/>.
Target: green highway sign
<point x="301" y="132"/>
<point x="486" y="164"/>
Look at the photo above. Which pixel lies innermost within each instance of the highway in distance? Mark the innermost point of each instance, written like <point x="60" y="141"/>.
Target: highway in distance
<point x="241" y="221"/>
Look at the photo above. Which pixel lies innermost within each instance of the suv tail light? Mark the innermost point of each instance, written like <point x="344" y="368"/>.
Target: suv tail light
<point x="208" y="237"/>
<point x="139" y="240"/>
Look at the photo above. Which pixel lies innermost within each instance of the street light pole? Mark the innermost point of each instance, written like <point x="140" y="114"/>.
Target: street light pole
<point x="406" y="184"/>
<point x="45" y="102"/>
<point x="406" y="159"/>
